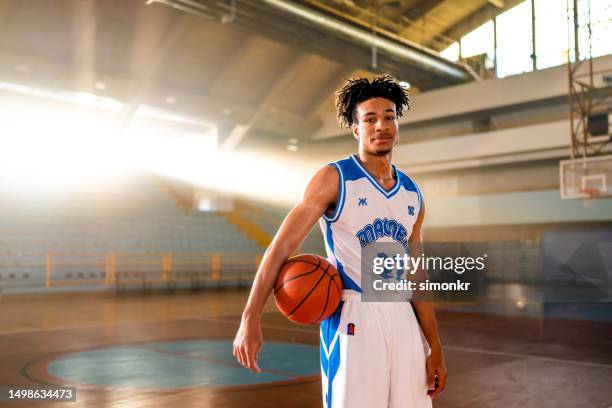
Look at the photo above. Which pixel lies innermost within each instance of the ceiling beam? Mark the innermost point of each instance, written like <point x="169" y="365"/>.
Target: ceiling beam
<point x="412" y="54"/>
<point x="266" y="103"/>
<point x="172" y="39"/>
<point x="497" y="3"/>
<point x="85" y="26"/>
<point x="419" y="10"/>
<point x="146" y="78"/>
<point x="4" y="8"/>
<point x="56" y="76"/>
<point x="325" y="90"/>
<point x="428" y="26"/>
<point x="232" y="62"/>
<point x="152" y="30"/>
<point x="190" y="7"/>
<point x="298" y="62"/>
<point x="481" y="16"/>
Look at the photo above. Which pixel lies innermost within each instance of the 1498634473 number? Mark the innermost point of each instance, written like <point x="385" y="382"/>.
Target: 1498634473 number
<point x="55" y="394"/>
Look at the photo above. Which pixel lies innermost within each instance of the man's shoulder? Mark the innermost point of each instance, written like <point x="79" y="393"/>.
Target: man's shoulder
<point x="407" y="182"/>
<point x="348" y="168"/>
<point x="343" y="163"/>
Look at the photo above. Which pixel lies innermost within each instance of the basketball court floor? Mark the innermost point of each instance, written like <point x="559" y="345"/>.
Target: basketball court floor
<point x="174" y="350"/>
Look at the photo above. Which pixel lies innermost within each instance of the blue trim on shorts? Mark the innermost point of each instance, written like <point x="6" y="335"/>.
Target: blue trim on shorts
<point x="329" y="328"/>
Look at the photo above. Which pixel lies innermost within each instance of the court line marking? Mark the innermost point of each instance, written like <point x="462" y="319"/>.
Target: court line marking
<point x="49" y="379"/>
<point x="528" y="356"/>
<point x="449" y="347"/>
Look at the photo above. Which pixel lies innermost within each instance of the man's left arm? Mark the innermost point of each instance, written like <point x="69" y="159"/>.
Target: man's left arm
<point x="435" y="365"/>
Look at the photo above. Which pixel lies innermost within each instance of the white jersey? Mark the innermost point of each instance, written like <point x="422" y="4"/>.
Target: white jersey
<point x="372" y="353"/>
<point x="366" y="213"/>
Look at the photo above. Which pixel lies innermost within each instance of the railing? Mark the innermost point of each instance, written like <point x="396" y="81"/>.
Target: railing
<point x="129" y="269"/>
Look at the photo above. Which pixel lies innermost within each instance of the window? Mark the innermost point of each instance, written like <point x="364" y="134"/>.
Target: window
<point x="514" y="40"/>
<point x="554" y="35"/>
<point x="479" y="41"/>
<point x="452" y="52"/>
<point x="597" y="14"/>
<point x="554" y="24"/>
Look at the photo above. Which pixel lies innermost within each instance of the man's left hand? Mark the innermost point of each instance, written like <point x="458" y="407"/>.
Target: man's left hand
<point x="436" y="372"/>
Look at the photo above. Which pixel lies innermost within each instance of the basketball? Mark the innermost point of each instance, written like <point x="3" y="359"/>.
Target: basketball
<point x="308" y="289"/>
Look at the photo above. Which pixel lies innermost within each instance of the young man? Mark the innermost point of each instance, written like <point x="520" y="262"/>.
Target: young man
<point x="372" y="354"/>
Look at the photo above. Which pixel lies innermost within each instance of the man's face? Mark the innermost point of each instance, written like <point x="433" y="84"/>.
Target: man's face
<point x="376" y="127"/>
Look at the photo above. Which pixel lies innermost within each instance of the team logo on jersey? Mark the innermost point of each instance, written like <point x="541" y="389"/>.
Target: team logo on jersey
<point x="410" y="210"/>
<point x="363" y="201"/>
<point x="350" y="330"/>
<point x="383" y="228"/>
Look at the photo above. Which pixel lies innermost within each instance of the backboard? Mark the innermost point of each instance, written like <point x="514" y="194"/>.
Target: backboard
<point x="589" y="177"/>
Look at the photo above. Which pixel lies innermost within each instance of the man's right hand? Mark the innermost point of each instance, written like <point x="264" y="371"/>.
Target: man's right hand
<point x="248" y="342"/>
<point x="321" y="195"/>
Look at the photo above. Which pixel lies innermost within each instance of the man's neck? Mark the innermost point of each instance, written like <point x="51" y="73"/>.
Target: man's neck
<point x="377" y="165"/>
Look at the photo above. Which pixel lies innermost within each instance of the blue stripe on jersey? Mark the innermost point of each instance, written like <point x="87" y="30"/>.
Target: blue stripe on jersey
<point x="347" y="282"/>
<point x="329" y="329"/>
<point x="347" y="171"/>
<point x="341" y="194"/>
<point x="350" y="169"/>
<point x="375" y="183"/>
<point x="410" y="185"/>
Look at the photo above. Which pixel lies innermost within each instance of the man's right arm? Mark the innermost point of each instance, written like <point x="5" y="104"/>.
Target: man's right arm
<point x="321" y="194"/>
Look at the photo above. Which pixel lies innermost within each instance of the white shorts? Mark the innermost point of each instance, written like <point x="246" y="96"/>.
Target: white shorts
<point x="373" y="356"/>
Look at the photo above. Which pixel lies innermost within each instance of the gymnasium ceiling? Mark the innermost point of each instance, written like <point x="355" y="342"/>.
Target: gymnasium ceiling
<point x="268" y="65"/>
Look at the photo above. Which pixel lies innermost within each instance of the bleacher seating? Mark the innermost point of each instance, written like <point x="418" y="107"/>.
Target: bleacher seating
<point x="131" y="216"/>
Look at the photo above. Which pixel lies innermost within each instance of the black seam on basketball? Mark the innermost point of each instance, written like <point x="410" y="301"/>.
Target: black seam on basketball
<point x="295" y="277"/>
<point x="307" y="295"/>
<point x="326" y="301"/>
<point x="327" y="269"/>
<point x="295" y="259"/>
<point x="331" y="275"/>
<point x="337" y="287"/>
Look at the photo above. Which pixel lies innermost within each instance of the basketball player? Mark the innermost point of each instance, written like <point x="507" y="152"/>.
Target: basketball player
<point x="372" y="353"/>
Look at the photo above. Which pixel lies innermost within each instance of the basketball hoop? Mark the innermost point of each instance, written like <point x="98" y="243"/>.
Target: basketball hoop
<point x="589" y="195"/>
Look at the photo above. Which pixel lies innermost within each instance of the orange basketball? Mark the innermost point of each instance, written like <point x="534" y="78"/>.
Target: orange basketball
<point x="308" y="289"/>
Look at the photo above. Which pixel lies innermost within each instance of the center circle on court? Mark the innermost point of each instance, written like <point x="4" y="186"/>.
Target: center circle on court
<point x="184" y="364"/>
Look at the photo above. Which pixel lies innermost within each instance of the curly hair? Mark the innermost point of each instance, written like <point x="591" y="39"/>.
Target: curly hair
<point x="358" y="90"/>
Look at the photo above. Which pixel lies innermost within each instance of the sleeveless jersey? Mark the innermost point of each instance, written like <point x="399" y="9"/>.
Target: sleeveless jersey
<point x="366" y="213"/>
